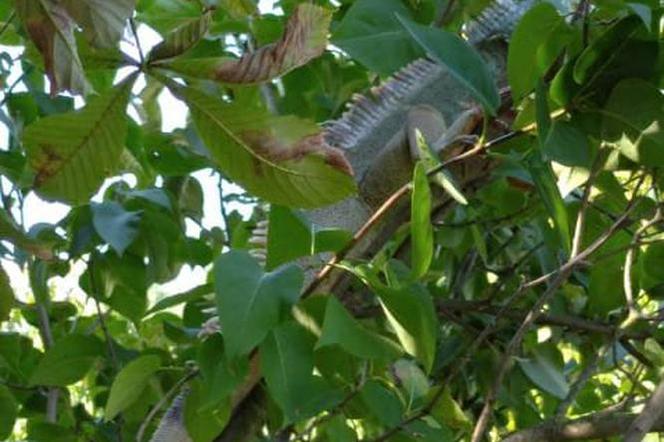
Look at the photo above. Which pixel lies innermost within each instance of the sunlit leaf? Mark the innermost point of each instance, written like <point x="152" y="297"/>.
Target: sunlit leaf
<point x="68" y="360"/>
<point x="420" y="222"/>
<point x="103" y="21"/>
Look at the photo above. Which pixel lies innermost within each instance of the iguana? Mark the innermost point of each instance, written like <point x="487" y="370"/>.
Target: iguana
<point x="377" y="134"/>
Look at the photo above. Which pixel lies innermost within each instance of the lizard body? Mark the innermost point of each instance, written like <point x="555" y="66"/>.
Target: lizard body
<point x="377" y="135"/>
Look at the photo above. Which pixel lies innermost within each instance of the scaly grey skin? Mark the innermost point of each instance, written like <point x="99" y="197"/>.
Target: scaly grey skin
<point x="376" y="134"/>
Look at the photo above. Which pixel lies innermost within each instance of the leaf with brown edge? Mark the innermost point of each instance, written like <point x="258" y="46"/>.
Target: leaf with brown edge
<point x="283" y="159"/>
<point x="52" y="31"/>
<point x="304" y="39"/>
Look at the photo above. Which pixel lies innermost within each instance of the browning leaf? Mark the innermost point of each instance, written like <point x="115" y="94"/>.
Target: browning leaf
<point x="52" y="30"/>
<point x="305" y="38"/>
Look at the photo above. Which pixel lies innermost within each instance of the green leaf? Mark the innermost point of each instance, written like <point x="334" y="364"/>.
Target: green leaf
<point x="369" y="24"/>
<point x="410" y="310"/>
<point x="448" y="412"/>
<point x="291" y="236"/>
<point x="71" y="154"/>
<point x="567" y="145"/>
<point x="542" y="112"/>
<point x="650" y="266"/>
<point x="129" y="384"/>
<point x="545" y="375"/>
<point x="287" y="364"/>
<point x="421" y="229"/>
<point x="462" y="61"/>
<point x="68" y="360"/>
<point x="8" y="412"/>
<point x="6" y="296"/>
<point x="181" y="39"/>
<point x="304" y="173"/>
<point x="250" y="302"/>
<point x="382" y="403"/>
<point x="103" y="22"/>
<point x="545" y="183"/>
<point x="535" y="44"/>
<point x="602" y="51"/>
<point x="115" y="225"/>
<point x="202" y="422"/>
<point x="340" y="328"/>
<point x="220" y="378"/>
<point x="633" y="121"/>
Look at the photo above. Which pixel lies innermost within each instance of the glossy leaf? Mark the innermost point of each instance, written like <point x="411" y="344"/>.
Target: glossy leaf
<point x="129" y="384"/>
<point x="72" y="153"/>
<point x="251" y="302"/>
<point x="462" y="61"/>
<point x="68" y="360"/>
<point x="421" y="229"/>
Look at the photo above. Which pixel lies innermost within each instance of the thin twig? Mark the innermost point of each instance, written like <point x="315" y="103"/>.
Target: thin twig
<point x="141" y="56"/>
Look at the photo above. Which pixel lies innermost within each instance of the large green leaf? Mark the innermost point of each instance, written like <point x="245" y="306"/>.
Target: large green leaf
<point x="103" y="21"/>
<point x="535" y="44"/>
<point x="421" y="229"/>
<point x="129" y="384"/>
<point x="68" y="360"/>
<point x="8" y="412"/>
<point x="250" y="302"/>
<point x="371" y="24"/>
<point x="72" y="153"/>
<point x="567" y="145"/>
<point x="462" y="61"/>
<point x="281" y="159"/>
<point x="633" y="121"/>
<point x="340" y="328"/>
<point x="287" y="364"/>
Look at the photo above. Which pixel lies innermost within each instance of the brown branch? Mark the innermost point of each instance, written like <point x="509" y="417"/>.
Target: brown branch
<point x="649" y="416"/>
<point x="561" y="276"/>
<point x="600" y="426"/>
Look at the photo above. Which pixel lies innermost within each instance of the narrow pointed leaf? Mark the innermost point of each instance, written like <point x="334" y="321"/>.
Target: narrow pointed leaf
<point x="72" y="153"/>
<point x="281" y="159"/>
<point x="304" y="39"/>
<point x="103" y="21"/>
<point x="421" y="230"/>
<point x="51" y="29"/>
<point x="6" y="296"/>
